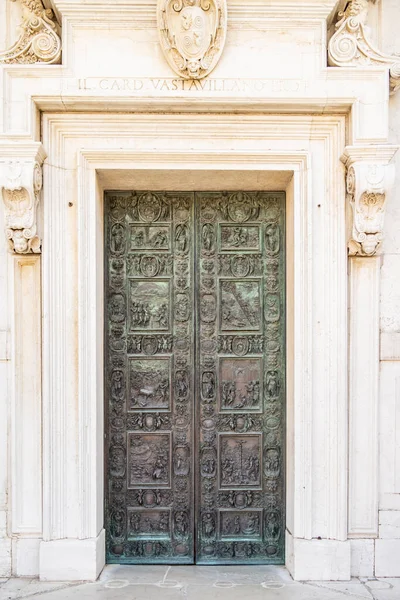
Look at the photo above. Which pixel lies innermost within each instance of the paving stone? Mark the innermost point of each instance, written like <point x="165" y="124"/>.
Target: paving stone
<point x="135" y="574"/>
<point x="384" y="589"/>
<point x="118" y="582"/>
<point x="353" y="588"/>
<point x="15" y="588"/>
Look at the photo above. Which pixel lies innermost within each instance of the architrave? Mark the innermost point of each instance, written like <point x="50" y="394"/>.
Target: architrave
<point x="75" y="280"/>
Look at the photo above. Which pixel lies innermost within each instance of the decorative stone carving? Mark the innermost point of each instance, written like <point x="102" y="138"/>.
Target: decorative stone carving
<point x="20" y="186"/>
<point x="192" y="35"/>
<point x="351" y="44"/>
<point x="39" y="37"/>
<point x="367" y="184"/>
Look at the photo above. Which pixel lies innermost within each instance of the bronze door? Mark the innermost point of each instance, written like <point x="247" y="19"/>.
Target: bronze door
<point x="195" y="376"/>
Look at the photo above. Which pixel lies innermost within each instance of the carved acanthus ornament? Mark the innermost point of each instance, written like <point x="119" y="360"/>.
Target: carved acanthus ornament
<point x="351" y="44"/>
<point x="20" y="186"/>
<point x="192" y="35"/>
<point x="39" y="37"/>
<point x="367" y="184"/>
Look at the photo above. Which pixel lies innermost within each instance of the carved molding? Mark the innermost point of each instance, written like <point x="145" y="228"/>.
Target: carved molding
<point x="351" y="44"/>
<point x="20" y="186"/>
<point x="39" y="37"/>
<point x="369" y="178"/>
<point x="192" y="35"/>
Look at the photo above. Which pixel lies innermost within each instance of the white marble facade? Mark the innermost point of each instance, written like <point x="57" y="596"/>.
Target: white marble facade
<point x="268" y="113"/>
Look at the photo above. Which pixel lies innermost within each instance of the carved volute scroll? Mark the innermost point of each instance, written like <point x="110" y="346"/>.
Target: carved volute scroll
<point x="192" y="34"/>
<point x="351" y="44"/>
<point x="20" y="186"/>
<point x="367" y="184"/>
<point x="39" y="37"/>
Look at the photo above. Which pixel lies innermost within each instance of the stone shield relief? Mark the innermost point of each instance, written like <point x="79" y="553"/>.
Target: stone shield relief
<point x="192" y="35"/>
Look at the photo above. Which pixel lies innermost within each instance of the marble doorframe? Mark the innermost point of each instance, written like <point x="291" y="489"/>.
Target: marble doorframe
<point x="90" y="153"/>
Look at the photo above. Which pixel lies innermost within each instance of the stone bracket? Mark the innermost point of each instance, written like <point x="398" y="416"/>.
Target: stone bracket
<point x="20" y="186"/>
<point x="39" y="38"/>
<point x="351" y="44"/>
<point x="370" y="175"/>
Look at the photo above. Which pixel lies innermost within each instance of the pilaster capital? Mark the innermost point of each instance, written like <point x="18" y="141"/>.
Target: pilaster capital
<point x="351" y="44"/>
<point x="370" y="174"/>
<point x="20" y="186"/>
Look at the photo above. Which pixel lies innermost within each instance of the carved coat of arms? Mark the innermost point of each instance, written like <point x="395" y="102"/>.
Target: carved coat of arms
<point x="192" y="34"/>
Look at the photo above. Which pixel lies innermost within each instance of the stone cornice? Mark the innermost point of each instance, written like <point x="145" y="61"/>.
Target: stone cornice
<point x="237" y="9"/>
<point x="375" y="153"/>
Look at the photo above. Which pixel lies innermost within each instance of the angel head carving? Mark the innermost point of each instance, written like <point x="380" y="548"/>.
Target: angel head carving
<point x="357" y="8"/>
<point x="32" y="7"/>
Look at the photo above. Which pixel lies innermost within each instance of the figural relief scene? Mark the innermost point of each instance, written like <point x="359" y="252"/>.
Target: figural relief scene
<point x="195" y="377"/>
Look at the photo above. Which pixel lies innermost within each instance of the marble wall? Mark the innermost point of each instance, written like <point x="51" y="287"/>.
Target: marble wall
<point x="112" y="63"/>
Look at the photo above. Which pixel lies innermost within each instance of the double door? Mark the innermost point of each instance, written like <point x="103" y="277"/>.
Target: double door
<point x="194" y="377"/>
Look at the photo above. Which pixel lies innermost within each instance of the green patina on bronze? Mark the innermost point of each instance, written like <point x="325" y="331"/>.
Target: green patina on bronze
<point x="195" y="377"/>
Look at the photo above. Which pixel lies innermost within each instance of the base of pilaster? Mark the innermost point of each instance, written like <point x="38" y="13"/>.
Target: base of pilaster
<point x="318" y="560"/>
<point x="387" y="558"/>
<point x="5" y="557"/>
<point x="25" y="557"/>
<point x="72" y="559"/>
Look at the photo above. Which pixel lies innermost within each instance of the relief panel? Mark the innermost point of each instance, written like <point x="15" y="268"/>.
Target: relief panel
<point x="150" y="237"/>
<point x="240" y="460"/>
<point x="240" y="305"/>
<point x="149" y="524"/>
<point x="241" y="525"/>
<point x="149" y="305"/>
<point x="233" y="238"/>
<point x="240" y="387"/>
<point x="149" y="459"/>
<point x="149" y="383"/>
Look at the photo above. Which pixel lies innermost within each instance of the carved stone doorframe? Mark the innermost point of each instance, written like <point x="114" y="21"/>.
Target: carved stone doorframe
<point x="73" y="218"/>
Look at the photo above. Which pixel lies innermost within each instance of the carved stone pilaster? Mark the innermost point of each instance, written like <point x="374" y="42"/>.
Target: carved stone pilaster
<point x="20" y="186"/>
<point x="351" y="44"/>
<point x="39" y="37"/>
<point x="369" y="177"/>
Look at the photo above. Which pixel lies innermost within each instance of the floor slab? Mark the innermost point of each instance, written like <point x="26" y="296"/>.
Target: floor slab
<point x="119" y="582"/>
